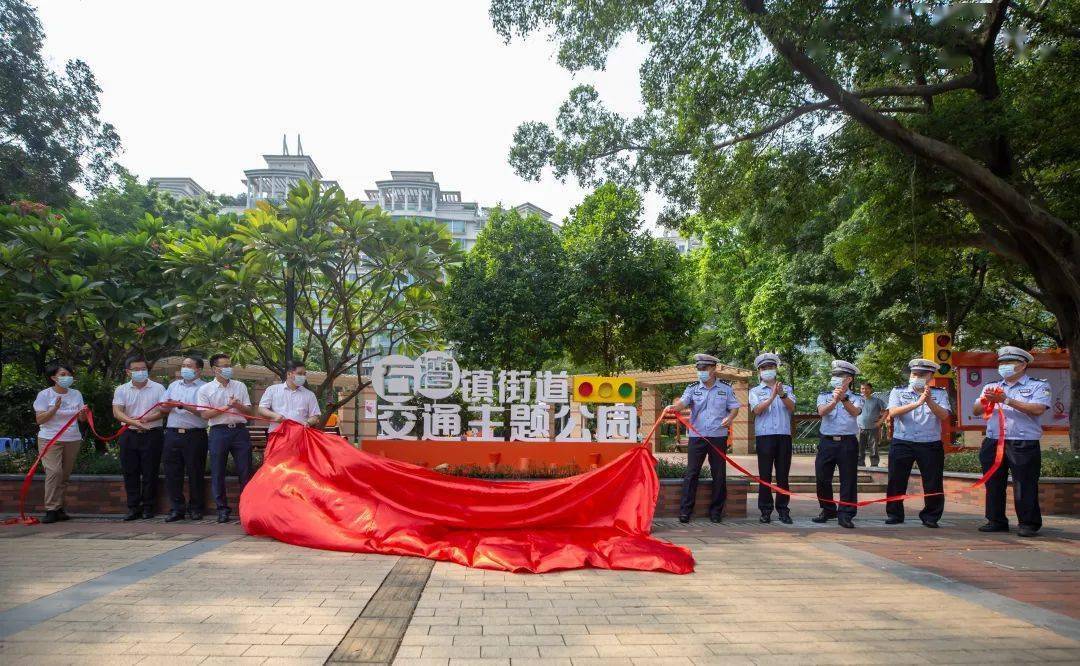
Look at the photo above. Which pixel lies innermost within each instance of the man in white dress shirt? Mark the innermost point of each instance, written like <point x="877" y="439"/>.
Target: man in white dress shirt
<point x="290" y="399"/>
<point x="229" y="404"/>
<point x="135" y="404"/>
<point x="185" y="443"/>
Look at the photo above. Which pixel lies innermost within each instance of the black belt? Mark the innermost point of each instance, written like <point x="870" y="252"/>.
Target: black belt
<point x="142" y="432"/>
<point x="836" y="438"/>
<point x="184" y="431"/>
<point x="1017" y="441"/>
<point x="229" y="425"/>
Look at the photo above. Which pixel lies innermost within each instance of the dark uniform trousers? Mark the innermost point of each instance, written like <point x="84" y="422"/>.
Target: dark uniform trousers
<point x="930" y="456"/>
<point x="1023" y="458"/>
<point x="697" y="449"/>
<point x="773" y="451"/>
<point x="140" y="462"/>
<point x="185" y="453"/>
<point x="226" y="439"/>
<point x="837" y="451"/>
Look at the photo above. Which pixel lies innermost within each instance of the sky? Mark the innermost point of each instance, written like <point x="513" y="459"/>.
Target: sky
<point x="203" y="89"/>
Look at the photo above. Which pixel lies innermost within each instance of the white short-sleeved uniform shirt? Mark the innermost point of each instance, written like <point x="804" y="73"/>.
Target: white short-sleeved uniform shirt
<point x="1019" y="425"/>
<point x="214" y="394"/>
<point x="838" y="421"/>
<point x="920" y="424"/>
<point x="297" y="404"/>
<point x="70" y="404"/>
<point x="776" y="420"/>
<point x="187" y="393"/>
<point x="137" y="400"/>
<point x="709" y="406"/>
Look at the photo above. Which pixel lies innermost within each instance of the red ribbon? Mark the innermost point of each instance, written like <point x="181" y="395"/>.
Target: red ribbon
<point x="24" y="519"/>
<point x="988" y="409"/>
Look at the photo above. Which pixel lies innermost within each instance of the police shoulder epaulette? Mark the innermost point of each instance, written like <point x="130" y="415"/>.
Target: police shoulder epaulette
<point x="723" y="382"/>
<point x="899" y="388"/>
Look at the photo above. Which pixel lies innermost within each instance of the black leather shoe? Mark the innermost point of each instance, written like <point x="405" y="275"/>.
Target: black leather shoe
<point x="684" y="519"/>
<point x="893" y="520"/>
<point x="147" y="515"/>
<point x="223" y="517"/>
<point x="785" y="518"/>
<point x="196" y="515"/>
<point x="844" y="521"/>
<point x="930" y="523"/>
<point x="716" y="519"/>
<point x="174" y="516"/>
<point x="50" y="517"/>
<point x="134" y="514"/>
<point x="993" y="527"/>
<point x="62" y="515"/>
<point x="766" y="517"/>
<point x="822" y="518"/>
<point x="1026" y="531"/>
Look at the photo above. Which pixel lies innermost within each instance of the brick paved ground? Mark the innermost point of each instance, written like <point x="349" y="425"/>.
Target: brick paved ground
<point x="762" y="594"/>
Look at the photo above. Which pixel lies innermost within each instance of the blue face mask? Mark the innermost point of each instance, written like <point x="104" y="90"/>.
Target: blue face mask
<point x="226" y="372"/>
<point x="1006" y="370"/>
<point x="187" y="374"/>
<point x="65" y="381"/>
<point x="836" y="382"/>
<point x="299" y="380"/>
<point x="703" y="375"/>
<point x="139" y="376"/>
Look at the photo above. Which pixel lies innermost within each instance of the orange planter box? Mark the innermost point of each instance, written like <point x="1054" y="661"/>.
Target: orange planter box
<point x="520" y="455"/>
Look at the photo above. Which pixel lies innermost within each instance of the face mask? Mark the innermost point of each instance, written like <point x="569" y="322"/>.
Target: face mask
<point x="1007" y="370"/>
<point x="703" y="376"/>
<point x="65" y="381"/>
<point x="139" y="376"/>
<point x="300" y="380"/>
<point x="767" y="375"/>
<point x="836" y="382"/>
<point x="226" y="372"/>
<point x="917" y="383"/>
<point x="187" y="374"/>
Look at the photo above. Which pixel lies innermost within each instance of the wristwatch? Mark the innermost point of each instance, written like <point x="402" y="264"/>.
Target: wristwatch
<point x="847" y="398"/>
<point x="782" y="395"/>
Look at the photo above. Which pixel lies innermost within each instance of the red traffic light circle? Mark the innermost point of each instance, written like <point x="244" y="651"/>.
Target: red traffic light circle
<point x="585" y="389"/>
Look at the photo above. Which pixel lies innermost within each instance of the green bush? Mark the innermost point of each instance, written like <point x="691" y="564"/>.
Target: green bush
<point x="1055" y="463"/>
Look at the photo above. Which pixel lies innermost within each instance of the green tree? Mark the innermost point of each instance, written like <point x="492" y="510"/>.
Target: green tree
<point x="50" y="133"/>
<point x="365" y="283"/>
<point x="121" y="206"/>
<point x="630" y="292"/>
<point x="83" y="294"/>
<point x="506" y="305"/>
<point x="978" y="101"/>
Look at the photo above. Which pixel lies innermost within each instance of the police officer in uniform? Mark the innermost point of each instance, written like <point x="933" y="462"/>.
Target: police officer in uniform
<point x="772" y="403"/>
<point x="713" y="407"/>
<point x="838" y="445"/>
<point x="917" y="412"/>
<point x="1023" y="400"/>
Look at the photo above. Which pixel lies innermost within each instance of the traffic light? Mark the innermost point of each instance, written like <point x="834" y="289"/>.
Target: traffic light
<point x="938" y="348"/>
<point x="591" y="388"/>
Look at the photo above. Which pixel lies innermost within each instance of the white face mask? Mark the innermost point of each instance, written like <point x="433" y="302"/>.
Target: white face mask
<point x="299" y="380"/>
<point x="917" y="383"/>
<point x="703" y="375"/>
<point x="1006" y="370"/>
<point x="767" y="375"/>
<point x="836" y="382"/>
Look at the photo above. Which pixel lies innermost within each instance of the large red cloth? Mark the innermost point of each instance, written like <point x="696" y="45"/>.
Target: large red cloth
<point x="314" y="489"/>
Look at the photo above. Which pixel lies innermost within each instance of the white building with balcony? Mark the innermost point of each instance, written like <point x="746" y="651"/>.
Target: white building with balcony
<point x="179" y="187"/>
<point x="417" y="194"/>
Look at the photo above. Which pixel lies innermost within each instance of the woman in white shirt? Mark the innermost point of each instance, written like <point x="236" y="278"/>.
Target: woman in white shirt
<point x="54" y="407"/>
